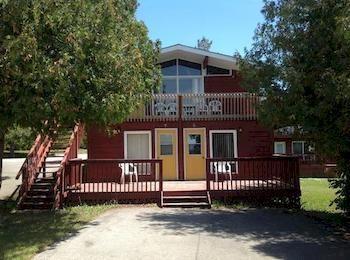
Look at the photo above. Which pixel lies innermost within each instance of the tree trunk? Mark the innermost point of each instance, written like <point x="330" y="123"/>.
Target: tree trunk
<point x="2" y="146"/>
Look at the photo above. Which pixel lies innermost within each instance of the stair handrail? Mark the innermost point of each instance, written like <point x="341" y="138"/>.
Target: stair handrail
<point x="71" y="152"/>
<point x="32" y="164"/>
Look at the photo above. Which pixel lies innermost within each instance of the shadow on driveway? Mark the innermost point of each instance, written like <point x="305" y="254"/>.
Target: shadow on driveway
<point x="277" y="233"/>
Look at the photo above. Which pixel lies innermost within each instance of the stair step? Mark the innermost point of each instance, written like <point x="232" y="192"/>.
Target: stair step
<point x="52" y="161"/>
<point x="186" y="204"/>
<point x="48" y="180"/>
<point x="36" y="205"/>
<point x="185" y="197"/>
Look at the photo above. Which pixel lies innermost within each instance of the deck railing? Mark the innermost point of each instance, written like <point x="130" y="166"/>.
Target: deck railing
<point x="70" y="153"/>
<point x="208" y="106"/>
<point x="253" y="173"/>
<point x="33" y="162"/>
<point x="113" y="176"/>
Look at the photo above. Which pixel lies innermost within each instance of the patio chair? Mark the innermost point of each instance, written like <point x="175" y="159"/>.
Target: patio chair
<point x="160" y="109"/>
<point x="129" y="171"/>
<point x="172" y="109"/>
<point x="215" y="107"/>
<point x="223" y="169"/>
<point x="202" y="109"/>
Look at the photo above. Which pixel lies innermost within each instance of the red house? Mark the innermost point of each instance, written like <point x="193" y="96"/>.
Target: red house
<point x="197" y="139"/>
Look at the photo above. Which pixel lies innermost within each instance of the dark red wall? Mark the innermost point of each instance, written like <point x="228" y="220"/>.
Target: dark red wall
<point x="253" y="140"/>
<point x="222" y="84"/>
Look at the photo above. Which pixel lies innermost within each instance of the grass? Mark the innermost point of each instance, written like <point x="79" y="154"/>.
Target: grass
<point x="316" y="199"/>
<point x="317" y="195"/>
<point x="24" y="234"/>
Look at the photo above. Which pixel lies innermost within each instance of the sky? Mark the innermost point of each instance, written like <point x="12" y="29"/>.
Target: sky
<point x="230" y="24"/>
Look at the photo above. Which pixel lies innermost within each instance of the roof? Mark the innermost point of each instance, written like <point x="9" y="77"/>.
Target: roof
<point x="197" y="55"/>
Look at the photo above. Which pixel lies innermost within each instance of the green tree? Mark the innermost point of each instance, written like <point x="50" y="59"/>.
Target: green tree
<point x="63" y="62"/>
<point x="300" y="63"/>
<point x="19" y="138"/>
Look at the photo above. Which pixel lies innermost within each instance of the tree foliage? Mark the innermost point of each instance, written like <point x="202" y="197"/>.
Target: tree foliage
<point x="300" y="63"/>
<point x="73" y="61"/>
<point x="19" y="138"/>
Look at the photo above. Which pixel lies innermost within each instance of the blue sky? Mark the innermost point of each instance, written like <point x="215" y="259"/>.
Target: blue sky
<point x="230" y="24"/>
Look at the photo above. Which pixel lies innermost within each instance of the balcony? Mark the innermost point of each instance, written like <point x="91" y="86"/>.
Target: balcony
<point x="208" y="106"/>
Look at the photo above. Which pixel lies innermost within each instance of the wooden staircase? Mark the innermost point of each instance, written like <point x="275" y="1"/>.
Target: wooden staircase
<point x="186" y="199"/>
<point x="40" y="194"/>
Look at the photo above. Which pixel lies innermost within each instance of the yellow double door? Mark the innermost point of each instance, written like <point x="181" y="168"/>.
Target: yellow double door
<point x="194" y="153"/>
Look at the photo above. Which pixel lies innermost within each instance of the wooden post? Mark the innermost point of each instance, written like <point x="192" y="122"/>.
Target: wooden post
<point x="180" y="142"/>
<point x="160" y="176"/>
<point x="207" y="172"/>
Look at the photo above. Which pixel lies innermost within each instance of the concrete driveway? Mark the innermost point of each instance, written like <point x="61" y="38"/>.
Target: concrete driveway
<point x="154" y="233"/>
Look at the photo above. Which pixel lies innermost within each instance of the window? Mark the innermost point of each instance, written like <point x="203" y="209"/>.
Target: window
<point x="212" y="70"/>
<point x="169" y="68"/>
<point x="169" y="86"/>
<point x="298" y="147"/>
<point x="223" y="144"/>
<point x="303" y="147"/>
<point x="180" y="76"/>
<point x="166" y="145"/>
<point x="187" y="68"/>
<point x="194" y="144"/>
<point x="137" y="145"/>
<point x="280" y="148"/>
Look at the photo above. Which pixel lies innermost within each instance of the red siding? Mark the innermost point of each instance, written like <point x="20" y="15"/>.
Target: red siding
<point x="253" y="140"/>
<point x="222" y="84"/>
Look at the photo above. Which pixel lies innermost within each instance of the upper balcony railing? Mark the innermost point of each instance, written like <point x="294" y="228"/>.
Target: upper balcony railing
<point x="208" y="106"/>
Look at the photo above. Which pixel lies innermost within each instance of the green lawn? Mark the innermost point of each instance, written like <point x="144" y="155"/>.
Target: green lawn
<point x="317" y="195"/>
<point x="23" y="234"/>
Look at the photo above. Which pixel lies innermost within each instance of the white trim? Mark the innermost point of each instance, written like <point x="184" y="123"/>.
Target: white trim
<point x="233" y="131"/>
<point x="138" y="132"/>
<point x="176" y="147"/>
<point x="180" y="47"/>
<point x="203" y="144"/>
<point x="277" y="143"/>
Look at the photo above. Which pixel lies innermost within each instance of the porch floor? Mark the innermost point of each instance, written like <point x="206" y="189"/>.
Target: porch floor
<point x="199" y="185"/>
<point x="184" y="185"/>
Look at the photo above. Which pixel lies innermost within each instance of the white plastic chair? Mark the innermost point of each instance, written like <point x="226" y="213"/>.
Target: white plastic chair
<point x="215" y="107"/>
<point x="160" y="109"/>
<point x="222" y="168"/>
<point x="202" y="109"/>
<point x="128" y="169"/>
<point x="172" y="109"/>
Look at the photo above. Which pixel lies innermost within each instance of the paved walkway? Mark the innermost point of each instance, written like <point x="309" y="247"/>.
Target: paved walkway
<point x="154" y="233"/>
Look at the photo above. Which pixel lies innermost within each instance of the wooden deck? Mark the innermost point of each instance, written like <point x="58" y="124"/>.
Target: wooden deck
<point x="100" y="180"/>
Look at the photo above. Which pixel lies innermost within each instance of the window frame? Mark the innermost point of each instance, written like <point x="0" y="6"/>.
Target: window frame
<point x="228" y="131"/>
<point x="126" y="133"/>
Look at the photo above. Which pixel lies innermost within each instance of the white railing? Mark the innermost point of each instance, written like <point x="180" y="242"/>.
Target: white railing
<point x="208" y="106"/>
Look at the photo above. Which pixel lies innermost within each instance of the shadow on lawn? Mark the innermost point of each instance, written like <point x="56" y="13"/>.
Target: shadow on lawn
<point x="277" y="233"/>
<point x="22" y="234"/>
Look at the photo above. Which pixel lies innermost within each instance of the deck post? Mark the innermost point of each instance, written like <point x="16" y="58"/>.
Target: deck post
<point x="180" y="142"/>
<point x="161" y="176"/>
<point x="207" y="171"/>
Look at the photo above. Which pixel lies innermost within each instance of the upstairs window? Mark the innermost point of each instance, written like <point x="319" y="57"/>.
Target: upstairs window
<point x="181" y="77"/>
<point x="212" y="70"/>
